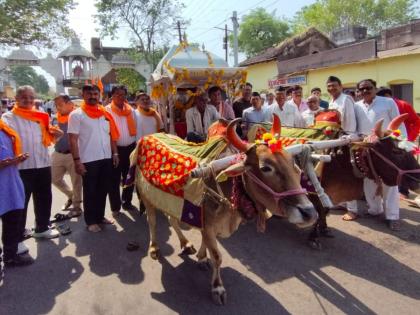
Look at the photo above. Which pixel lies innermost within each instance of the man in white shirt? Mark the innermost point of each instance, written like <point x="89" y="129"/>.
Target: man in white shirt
<point x="148" y="119"/>
<point x="125" y="119"/>
<point x="93" y="134"/>
<point x="343" y="103"/>
<point x="289" y="114"/>
<point x="199" y="118"/>
<point x="297" y="99"/>
<point x="270" y="101"/>
<point x="368" y="111"/>
<point x="345" y="106"/>
<point x="34" y="131"/>
<point x="253" y="115"/>
<point x="313" y="110"/>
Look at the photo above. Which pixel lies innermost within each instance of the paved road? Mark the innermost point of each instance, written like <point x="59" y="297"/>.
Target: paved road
<point x="365" y="269"/>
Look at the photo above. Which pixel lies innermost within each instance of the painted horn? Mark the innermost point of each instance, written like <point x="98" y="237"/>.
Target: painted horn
<point x="397" y="121"/>
<point x="377" y="130"/>
<point x="233" y="137"/>
<point x="276" y="127"/>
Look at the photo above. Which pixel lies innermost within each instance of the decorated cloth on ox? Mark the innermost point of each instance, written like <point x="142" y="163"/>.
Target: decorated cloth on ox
<point x="164" y="163"/>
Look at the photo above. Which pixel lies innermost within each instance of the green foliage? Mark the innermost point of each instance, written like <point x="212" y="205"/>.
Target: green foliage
<point x="34" y="22"/>
<point x="376" y="15"/>
<point x="25" y="75"/>
<point x="260" y="30"/>
<point x="147" y="20"/>
<point x="131" y="79"/>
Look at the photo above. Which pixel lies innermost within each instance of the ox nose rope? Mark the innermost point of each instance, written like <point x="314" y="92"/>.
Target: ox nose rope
<point x="400" y="172"/>
<point x="276" y="195"/>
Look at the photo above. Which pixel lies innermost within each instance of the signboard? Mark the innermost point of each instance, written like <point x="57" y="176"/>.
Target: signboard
<point x="286" y="81"/>
<point x="342" y="55"/>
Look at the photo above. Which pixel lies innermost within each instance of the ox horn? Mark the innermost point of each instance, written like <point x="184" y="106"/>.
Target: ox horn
<point x="397" y="121"/>
<point x="233" y="137"/>
<point x="276" y="127"/>
<point x="378" y="128"/>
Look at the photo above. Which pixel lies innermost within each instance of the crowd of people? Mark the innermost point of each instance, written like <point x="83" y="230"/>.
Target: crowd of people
<point x="92" y="144"/>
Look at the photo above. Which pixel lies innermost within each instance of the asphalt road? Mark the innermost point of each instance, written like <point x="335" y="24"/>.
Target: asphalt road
<point x="365" y="269"/>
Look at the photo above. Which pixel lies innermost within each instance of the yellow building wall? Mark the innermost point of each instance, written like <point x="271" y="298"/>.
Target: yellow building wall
<point x="385" y="71"/>
<point x="259" y="74"/>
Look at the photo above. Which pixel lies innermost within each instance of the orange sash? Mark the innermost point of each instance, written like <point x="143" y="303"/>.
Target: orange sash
<point x="127" y="111"/>
<point x="17" y="143"/>
<point x="63" y="119"/>
<point x="151" y="112"/>
<point x="41" y="118"/>
<point x="96" y="112"/>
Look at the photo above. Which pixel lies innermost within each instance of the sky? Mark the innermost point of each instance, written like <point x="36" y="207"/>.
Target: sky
<point x="204" y="16"/>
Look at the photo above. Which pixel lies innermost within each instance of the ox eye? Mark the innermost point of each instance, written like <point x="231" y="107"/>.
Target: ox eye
<point x="266" y="169"/>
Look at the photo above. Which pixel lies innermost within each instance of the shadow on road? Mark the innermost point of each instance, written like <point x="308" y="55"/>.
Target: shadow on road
<point x="294" y="259"/>
<point x="187" y="291"/>
<point x="35" y="293"/>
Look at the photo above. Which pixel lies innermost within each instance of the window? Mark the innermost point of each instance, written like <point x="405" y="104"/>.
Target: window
<point x="403" y="91"/>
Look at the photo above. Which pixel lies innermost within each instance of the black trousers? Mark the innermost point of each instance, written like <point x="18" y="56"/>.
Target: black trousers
<point x="96" y="184"/>
<point x="37" y="183"/>
<point x="11" y="234"/>
<point x="119" y="175"/>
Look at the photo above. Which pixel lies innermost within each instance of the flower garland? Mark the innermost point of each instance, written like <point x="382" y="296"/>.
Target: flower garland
<point x="272" y="141"/>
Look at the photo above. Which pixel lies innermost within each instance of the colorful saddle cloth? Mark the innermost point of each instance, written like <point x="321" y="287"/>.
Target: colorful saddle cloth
<point x="164" y="163"/>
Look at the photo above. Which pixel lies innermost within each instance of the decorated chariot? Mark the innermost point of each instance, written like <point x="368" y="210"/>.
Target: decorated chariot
<point x="185" y="71"/>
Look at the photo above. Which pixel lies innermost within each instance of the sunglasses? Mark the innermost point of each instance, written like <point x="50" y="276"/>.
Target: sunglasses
<point x="367" y="88"/>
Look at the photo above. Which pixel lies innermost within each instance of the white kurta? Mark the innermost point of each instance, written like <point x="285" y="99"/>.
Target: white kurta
<point x="366" y="116"/>
<point x="289" y="115"/>
<point x="194" y="122"/>
<point x="345" y="105"/>
<point x="146" y="125"/>
<point x="309" y="116"/>
<point x="381" y="108"/>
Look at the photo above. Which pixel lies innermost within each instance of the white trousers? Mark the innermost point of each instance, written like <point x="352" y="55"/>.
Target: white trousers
<point x="351" y="206"/>
<point x="376" y="204"/>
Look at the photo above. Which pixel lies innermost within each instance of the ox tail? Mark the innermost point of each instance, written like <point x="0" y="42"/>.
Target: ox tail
<point x="131" y="176"/>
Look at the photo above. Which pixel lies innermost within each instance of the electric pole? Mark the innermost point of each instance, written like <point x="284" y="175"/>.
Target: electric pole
<point x="225" y="43"/>
<point x="235" y="38"/>
<point x="178" y="24"/>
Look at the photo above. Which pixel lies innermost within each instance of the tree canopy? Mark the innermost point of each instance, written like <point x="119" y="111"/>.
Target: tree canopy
<point x="149" y="21"/>
<point x="376" y="15"/>
<point x="34" y="22"/>
<point x="260" y="30"/>
<point x="26" y="75"/>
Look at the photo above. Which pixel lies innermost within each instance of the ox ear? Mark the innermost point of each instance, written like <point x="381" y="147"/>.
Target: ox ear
<point x="232" y="171"/>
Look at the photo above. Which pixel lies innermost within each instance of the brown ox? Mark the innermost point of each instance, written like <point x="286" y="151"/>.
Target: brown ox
<point x="275" y="170"/>
<point x="388" y="162"/>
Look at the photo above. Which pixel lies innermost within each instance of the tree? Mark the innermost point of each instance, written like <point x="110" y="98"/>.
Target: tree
<point x="148" y="20"/>
<point x="25" y="75"/>
<point x="376" y="15"/>
<point x="260" y="30"/>
<point x="131" y="79"/>
<point x="34" y="22"/>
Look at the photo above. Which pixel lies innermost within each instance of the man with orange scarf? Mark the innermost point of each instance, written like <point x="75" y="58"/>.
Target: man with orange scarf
<point x="125" y="119"/>
<point x="148" y="119"/>
<point x="37" y="135"/>
<point x="12" y="196"/>
<point x="93" y="134"/>
<point x="62" y="160"/>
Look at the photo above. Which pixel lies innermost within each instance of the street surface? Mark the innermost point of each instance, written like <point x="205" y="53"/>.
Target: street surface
<point x="365" y="269"/>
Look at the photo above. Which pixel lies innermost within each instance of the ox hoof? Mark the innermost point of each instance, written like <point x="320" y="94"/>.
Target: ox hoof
<point x="315" y="244"/>
<point x="204" y="264"/>
<point x="219" y="295"/>
<point x="154" y="253"/>
<point x="188" y="250"/>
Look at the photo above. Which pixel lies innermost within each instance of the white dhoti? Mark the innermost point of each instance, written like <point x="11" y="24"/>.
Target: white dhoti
<point x="351" y="206"/>
<point x="389" y="202"/>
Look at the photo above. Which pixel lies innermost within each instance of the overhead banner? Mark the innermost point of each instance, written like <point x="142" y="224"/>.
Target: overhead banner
<point x="287" y="81"/>
<point x="342" y="55"/>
